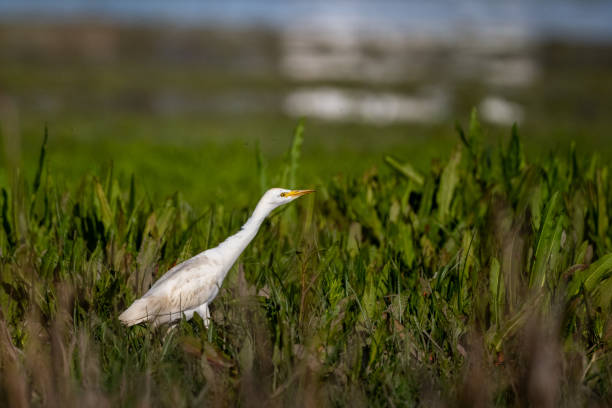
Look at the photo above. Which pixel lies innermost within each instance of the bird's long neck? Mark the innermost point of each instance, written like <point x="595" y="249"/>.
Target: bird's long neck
<point x="232" y="247"/>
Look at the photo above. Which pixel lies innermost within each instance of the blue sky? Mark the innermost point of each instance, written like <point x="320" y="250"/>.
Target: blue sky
<point x="568" y="18"/>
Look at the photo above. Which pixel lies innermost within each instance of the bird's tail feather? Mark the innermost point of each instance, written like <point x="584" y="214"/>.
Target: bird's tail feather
<point x="142" y="310"/>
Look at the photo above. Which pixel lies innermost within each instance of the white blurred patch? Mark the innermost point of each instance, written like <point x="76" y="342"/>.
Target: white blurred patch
<point x="343" y="53"/>
<point x="501" y="111"/>
<point x="518" y="71"/>
<point x="332" y="52"/>
<point x="381" y="108"/>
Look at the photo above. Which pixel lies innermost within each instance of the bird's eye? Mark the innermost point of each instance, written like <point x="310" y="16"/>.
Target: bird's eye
<point x="283" y="194"/>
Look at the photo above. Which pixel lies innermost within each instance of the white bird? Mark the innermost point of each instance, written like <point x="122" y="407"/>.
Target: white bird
<point x="191" y="285"/>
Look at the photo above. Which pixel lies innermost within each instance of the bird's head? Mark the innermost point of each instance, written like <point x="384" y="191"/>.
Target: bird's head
<point x="275" y="197"/>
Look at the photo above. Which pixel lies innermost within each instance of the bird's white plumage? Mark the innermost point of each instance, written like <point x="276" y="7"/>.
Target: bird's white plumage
<point x="190" y="286"/>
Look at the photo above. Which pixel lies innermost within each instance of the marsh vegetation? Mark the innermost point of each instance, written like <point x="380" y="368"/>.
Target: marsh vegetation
<point x="484" y="279"/>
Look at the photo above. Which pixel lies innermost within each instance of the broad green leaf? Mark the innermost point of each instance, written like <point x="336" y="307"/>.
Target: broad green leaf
<point x="107" y="216"/>
<point x="496" y="288"/>
<point x="368" y="217"/>
<point x="510" y="328"/>
<point x="427" y="198"/>
<point x="581" y="253"/>
<point x="406" y="244"/>
<point x="405" y="169"/>
<point x="603" y="295"/>
<point x="591" y="276"/>
<point x="353" y="241"/>
<point x="548" y="244"/>
<point x="515" y="160"/>
<point x="602" y="210"/>
<point x="448" y="183"/>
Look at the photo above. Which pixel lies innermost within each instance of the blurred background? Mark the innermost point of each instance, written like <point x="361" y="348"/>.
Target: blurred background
<point x="186" y="95"/>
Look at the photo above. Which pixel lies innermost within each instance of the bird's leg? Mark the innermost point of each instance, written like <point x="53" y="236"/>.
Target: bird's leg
<point x="203" y="311"/>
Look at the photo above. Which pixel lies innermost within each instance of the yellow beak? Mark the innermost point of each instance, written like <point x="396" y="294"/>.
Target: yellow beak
<point x="298" y="193"/>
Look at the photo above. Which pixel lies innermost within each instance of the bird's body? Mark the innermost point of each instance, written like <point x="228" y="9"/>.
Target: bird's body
<point x="191" y="285"/>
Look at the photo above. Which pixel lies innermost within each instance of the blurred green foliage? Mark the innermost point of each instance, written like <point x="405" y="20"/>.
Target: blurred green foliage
<point x="483" y="279"/>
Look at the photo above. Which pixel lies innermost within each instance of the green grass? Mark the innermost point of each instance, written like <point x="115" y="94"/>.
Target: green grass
<point x="211" y="159"/>
<point x="483" y="279"/>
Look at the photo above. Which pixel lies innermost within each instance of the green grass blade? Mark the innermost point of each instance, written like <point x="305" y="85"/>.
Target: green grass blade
<point x="41" y="161"/>
<point x="405" y="169"/>
<point x="496" y="288"/>
<point x="107" y="215"/>
<point x="294" y="154"/>
<point x="448" y="183"/>
<point x="548" y="244"/>
<point x="591" y="276"/>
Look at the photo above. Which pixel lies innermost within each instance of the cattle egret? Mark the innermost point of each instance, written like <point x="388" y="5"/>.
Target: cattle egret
<point x="191" y="285"/>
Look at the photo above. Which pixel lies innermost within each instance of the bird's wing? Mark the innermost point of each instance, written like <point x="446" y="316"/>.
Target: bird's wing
<point x="199" y="262"/>
<point x="186" y="286"/>
<point x="190" y="280"/>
